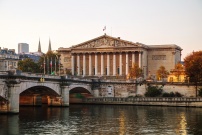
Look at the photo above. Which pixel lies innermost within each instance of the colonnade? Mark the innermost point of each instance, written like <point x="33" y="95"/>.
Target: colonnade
<point x="104" y="63"/>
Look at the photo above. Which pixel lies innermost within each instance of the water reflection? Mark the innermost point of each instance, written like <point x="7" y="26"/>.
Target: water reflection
<point x="183" y="124"/>
<point x="122" y="128"/>
<point x="103" y="120"/>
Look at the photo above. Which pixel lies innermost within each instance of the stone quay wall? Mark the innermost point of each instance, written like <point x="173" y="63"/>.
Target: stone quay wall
<point x="132" y="90"/>
<point x="148" y="101"/>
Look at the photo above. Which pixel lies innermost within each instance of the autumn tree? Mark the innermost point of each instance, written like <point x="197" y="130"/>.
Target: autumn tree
<point x="193" y="67"/>
<point x="28" y="65"/>
<point x="162" y="73"/>
<point x="135" y="71"/>
<point x="178" y="70"/>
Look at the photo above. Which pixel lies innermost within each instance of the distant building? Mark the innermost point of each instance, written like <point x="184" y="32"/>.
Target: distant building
<point x="35" y="56"/>
<point x="8" y="59"/>
<point x="23" y="48"/>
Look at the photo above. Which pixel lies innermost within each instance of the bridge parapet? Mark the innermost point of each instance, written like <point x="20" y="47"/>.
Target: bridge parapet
<point x="40" y="75"/>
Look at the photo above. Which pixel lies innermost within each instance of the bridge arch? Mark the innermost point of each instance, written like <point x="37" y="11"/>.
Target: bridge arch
<point x="76" y="94"/>
<point x="48" y="86"/>
<point x="40" y="90"/>
<point x="83" y="88"/>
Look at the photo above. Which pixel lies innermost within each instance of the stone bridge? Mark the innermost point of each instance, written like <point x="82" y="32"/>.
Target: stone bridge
<point x="32" y="89"/>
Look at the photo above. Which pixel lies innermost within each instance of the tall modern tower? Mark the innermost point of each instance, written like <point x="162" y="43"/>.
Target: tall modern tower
<point x="23" y="48"/>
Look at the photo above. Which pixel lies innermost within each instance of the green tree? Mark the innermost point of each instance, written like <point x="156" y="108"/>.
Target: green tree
<point x="153" y="91"/>
<point x="28" y="65"/>
<point x="193" y="67"/>
<point x="135" y="71"/>
<point x="161" y="73"/>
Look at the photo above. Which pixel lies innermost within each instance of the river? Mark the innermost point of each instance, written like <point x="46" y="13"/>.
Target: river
<point x="103" y="120"/>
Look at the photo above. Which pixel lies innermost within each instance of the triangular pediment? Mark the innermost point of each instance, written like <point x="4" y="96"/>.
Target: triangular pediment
<point x="105" y="41"/>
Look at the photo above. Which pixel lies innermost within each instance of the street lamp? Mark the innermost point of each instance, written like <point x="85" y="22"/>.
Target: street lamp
<point x="58" y="57"/>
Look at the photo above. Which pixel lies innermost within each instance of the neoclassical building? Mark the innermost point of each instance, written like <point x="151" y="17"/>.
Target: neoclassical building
<point x="111" y="56"/>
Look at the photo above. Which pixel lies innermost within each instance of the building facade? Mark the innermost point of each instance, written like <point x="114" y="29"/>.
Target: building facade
<point x="23" y="48"/>
<point x="110" y="56"/>
<point x="8" y="59"/>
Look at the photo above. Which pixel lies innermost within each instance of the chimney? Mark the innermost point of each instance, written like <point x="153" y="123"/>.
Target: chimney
<point x="119" y="38"/>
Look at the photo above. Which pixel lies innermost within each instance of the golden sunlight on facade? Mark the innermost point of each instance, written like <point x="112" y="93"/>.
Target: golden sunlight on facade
<point x="111" y="57"/>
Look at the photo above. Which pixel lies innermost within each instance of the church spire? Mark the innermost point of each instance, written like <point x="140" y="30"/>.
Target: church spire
<point x="39" y="47"/>
<point x="49" y="47"/>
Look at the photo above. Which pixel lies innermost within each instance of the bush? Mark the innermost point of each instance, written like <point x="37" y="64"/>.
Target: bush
<point x="166" y="94"/>
<point x="171" y="94"/>
<point x="153" y="91"/>
<point x="177" y="94"/>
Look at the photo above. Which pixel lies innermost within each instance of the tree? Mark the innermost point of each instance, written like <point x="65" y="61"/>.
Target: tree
<point x="179" y="70"/>
<point x="50" y="61"/>
<point x="135" y="71"/>
<point x="162" y="73"/>
<point x="28" y="65"/>
<point x="193" y="67"/>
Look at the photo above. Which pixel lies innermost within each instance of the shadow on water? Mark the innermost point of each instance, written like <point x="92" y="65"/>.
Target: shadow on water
<point x="103" y="119"/>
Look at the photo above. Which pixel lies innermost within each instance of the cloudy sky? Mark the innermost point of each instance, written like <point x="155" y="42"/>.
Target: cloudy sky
<point x="70" y="22"/>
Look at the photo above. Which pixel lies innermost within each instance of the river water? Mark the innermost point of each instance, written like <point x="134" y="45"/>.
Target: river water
<point x="103" y="120"/>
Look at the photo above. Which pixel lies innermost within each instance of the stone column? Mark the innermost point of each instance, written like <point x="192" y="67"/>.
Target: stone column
<point x="114" y="64"/>
<point x="102" y="64"/>
<point x="84" y="64"/>
<point x="90" y="65"/>
<point x="72" y="64"/>
<point x="140" y="59"/>
<point x="120" y="64"/>
<point x="96" y="64"/>
<point x="108" y="64"/>
<point x="127" y="63"/>
<point x="133" y="58"/>
<point x="65" y="95"/>
<point x="13" y="98"/>
<point x="78" y="64"/>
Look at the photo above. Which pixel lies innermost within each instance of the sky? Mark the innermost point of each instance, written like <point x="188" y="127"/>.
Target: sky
<point x="70" y="22"/>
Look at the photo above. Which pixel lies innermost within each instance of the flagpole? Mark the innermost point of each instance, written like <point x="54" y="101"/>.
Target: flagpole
<point x="59" y="64"/>
<point x="51" y="65"/>
<point x="47" y="66"/>
<point x="104" y="29"/>
<point x="44" y="66"/>
<point x="55" y="65"/>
